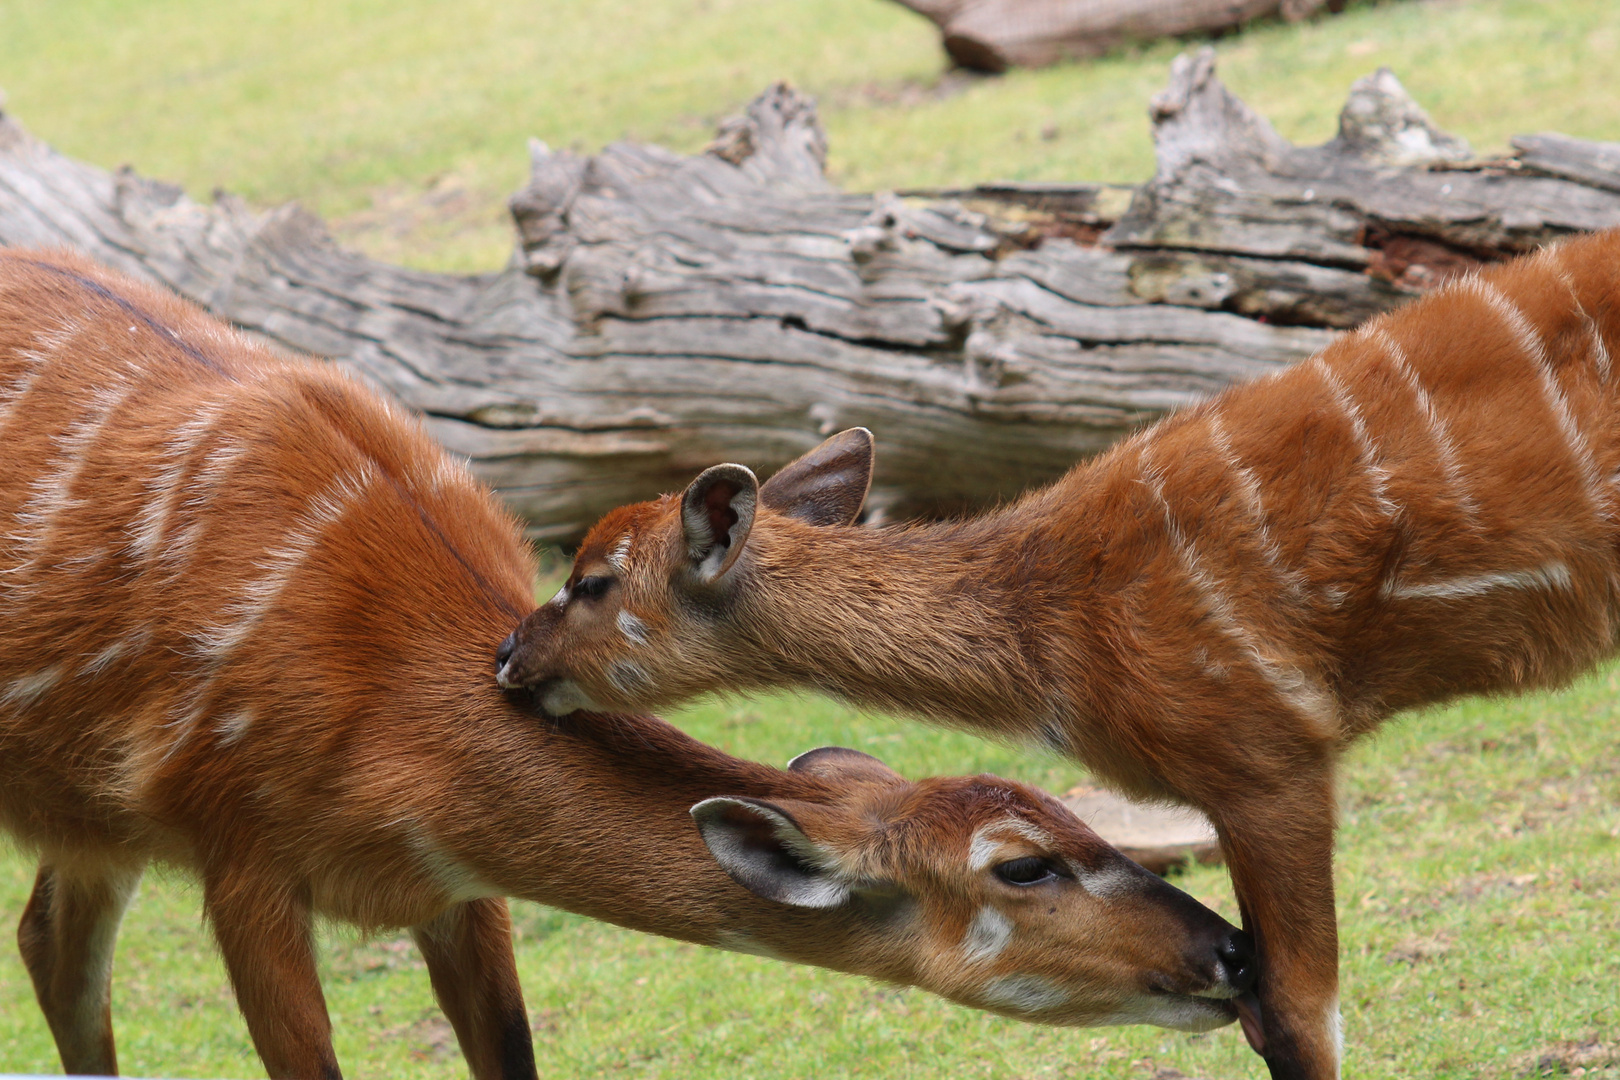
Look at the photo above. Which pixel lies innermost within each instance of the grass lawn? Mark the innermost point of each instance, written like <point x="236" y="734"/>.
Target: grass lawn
<point x="404" y="120"/>
<point x="1480" y="856"/>
<point x="1479" y="899"/>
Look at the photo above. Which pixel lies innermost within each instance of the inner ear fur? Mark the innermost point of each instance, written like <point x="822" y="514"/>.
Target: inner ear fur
<point x="840" y="763"/>
<point x="717" y="512"/>
<point x="763" y="849"/>
<point x="826" y="486"/>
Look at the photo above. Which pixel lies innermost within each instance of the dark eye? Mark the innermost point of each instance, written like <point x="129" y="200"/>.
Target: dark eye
<point x="1030" y="871"/>
<point x="592" y="587"/>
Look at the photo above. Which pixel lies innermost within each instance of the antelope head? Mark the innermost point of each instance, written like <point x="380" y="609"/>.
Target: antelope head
<point x="1000" y="897"/>
<point x="653" y="611"/>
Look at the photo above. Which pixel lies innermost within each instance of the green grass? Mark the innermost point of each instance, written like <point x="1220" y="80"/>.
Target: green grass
<point x="1479" y="871"/>
<point x="405" y="120"/>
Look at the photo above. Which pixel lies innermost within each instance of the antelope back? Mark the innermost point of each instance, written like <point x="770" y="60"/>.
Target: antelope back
<point x="197" y="534"/>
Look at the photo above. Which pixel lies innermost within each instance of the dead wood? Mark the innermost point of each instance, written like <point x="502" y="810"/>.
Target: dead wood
<point x="662" y="313"/>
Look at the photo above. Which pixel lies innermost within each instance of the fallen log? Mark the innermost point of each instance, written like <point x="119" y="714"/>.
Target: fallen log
<point x="994" y="35"/>
<point x="662" y="313"/>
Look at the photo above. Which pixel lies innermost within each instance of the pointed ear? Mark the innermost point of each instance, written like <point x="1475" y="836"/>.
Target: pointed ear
<point x="826" y="486"/>
<point x="717" y="510"/>
<point x="841" y="763"/>
<point x="764" y="850"/>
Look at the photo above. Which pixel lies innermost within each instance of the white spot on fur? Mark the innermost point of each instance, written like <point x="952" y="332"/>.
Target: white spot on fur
<point x="26" y="690"/>
<point x="1553" y="575"/>
<point x="124" y="646"/>
<point x="634" y="630"/>
<point x="987" y="935"/>
<point x="566" y="696"/>
<point x="456" y="880"/>
<point x="233" y="727"/>
<point x="627" y="678"/>
<point x="1024" y="993"/>
<point x="737" y="941"/>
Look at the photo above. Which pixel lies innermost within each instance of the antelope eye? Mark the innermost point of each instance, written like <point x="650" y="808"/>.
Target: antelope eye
<point x="592" y="587"/>
<point x="1027" y="871"/>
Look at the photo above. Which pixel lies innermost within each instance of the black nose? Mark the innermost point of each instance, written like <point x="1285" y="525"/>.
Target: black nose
<point x="504" y="653"/>
<point x="1236" y="955"/>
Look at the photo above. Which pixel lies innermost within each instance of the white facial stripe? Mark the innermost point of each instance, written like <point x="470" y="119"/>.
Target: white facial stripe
<point x="987" y="935"/>
<point x="1023" y="993"/>
<point x="619" y="557"/>
<point x="560" y="599"/>
<point x="988" y="839"/>
<point x="632" y="628"/>
<point x="1111" y="881"/>
<point x="1553" y="575"/>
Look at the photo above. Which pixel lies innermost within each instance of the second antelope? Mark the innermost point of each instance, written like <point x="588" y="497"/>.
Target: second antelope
<point x="1210" y="612"/>
<point x="248" y="609"/>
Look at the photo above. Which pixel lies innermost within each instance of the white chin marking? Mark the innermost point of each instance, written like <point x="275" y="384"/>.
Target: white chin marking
<point x="986" y="936"/>
<point x="566" y="697"/>
<point x="1024" y="993"/>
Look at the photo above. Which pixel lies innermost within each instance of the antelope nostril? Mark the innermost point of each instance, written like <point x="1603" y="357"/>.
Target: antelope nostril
<point x="504" y="653"/>
<point x="1237" y="960"/>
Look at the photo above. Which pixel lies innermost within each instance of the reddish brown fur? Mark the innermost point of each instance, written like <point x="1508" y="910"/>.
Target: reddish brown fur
<point x="1211" y="611"/>
<point x="248" y="610"/>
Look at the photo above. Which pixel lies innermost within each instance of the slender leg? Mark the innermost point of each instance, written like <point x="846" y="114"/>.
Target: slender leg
<point x="67" y="935"/>
<point x="469" y="957"/>
<point x="1280" y="852"/>
<point x="263" y="929"/>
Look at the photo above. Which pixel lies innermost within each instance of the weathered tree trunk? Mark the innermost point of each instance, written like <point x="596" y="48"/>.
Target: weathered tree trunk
<point x="994" y="35"/>
<point x="663" y="313"/>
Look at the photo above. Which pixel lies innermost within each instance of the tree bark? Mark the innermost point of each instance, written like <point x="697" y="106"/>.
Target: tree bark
<point x="994" y="35"/>
<point x="662" y="313"/>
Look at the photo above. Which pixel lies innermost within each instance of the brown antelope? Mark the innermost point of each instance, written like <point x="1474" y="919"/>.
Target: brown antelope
<point x="246" y="613"/>
<point x="1210" y="612"/>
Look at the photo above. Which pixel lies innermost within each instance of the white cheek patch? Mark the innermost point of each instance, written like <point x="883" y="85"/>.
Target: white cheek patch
<point x="987" y="841"/>
<point x="634" y="630"/>
<point x="986" y="936"/>
<point x="1024" y="993"/>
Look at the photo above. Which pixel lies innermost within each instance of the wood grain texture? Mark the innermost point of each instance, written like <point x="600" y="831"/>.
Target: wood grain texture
<point x="662" y="313"/>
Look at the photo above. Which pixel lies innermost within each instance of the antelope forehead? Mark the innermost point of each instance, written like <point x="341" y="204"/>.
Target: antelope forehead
<point x="619" y="556"/>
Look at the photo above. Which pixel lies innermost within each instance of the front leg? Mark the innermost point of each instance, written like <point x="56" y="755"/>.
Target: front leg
<point x="1279" y="850"/>
<point x="264" y="933"/>
<point x="66" y="936"/>
<point x="468" y="950"/>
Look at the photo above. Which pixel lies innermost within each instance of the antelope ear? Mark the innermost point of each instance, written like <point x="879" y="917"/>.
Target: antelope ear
<point x="717" y="510"/>
<point x="826" y="486"/>
<point x="764" y="850"/>
<point x="842" y="763"/>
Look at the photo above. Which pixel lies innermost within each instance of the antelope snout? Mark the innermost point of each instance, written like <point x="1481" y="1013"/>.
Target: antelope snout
<point x="520" y="656"/>
<point x="1235" y="957"/>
